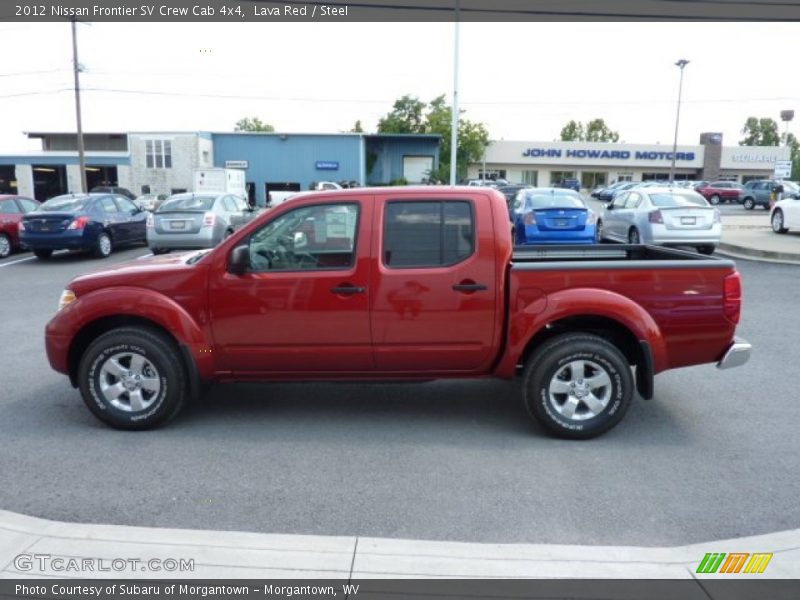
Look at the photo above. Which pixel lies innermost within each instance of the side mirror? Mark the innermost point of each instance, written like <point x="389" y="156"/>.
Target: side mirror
<point x="239" y="260"/>
<point x="300" y="239"/>
<point x="610" y="206"/>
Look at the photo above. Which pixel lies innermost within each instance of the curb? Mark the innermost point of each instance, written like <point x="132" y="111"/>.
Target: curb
<point x="234" y="555"/>
<point x="746" y="253"/>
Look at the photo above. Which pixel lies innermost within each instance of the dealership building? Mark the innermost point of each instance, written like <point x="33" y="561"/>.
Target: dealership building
<point x="594" y="164"/>
<point x="164" y="162"/>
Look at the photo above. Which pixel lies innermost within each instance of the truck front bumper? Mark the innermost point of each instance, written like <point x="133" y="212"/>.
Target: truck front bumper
<point x="736" y="355"/>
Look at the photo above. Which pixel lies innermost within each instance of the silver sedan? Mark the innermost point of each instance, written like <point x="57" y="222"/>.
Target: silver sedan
<point x="190" y="221"/>
<point x="663" y="216"/>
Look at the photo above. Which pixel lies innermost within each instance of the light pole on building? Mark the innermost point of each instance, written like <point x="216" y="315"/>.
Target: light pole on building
<point x="76" y="69"/>
<point x="680" y="64"/>
<point x="454" y="119"/>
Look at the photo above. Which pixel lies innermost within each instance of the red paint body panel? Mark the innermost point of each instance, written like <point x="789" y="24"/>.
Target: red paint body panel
<point x="406" y="323"/>
<point x="9" y="221"/>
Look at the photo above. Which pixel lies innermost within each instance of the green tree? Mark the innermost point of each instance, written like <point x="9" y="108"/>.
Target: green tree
<point x="410" y="115"/>
<point x="406" y="117"/>
<point x="357" y="128"/>
<point x="794" y="144"/>
<point x="253" y="124"/>
<point x="573" y="132"/>
<point x="760" y="132"/>
<point x="595" y="130"/>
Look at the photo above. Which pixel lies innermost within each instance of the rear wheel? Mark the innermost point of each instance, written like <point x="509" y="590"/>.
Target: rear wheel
<point x="129" y="378"/>
<point x="578" y="386"/>
<point x="749" y="203"/>
<point x="709" y="250"/>
<point x="633" y="236"/>
<point x="157" y="251"/>
<point x="777" y="221"/>
<point x="5" y="245"/>
<point x="598" y="232"/>
<point x="43" y="253"/>
<point x="102" y="246"/>
<point x="714" y="199"/>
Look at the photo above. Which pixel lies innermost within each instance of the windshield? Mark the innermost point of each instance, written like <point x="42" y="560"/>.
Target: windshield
<point x="65" y="203"/>
<point x="199" y="203"/>
<point x="677" y="199"/>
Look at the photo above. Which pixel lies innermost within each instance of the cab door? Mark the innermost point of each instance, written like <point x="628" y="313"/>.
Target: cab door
<point x="302" y="306"/>
<point x="434" y="296"/>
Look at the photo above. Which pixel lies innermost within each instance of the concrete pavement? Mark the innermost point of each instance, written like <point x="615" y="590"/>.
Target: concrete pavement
<point x="30" y="547"/>
<point x="750" y="237"/>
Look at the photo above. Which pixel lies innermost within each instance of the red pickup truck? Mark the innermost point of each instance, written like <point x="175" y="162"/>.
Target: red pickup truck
<point x="396" y="284"/>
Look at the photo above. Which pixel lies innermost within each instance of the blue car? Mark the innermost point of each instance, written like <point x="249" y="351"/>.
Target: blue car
<point x="96" y="222"/>
<point x="552" y="216"/>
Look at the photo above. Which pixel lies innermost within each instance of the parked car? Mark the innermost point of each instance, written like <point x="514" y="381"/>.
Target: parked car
<point x="392" y="284"/>
<point x="150" y="201"/>
<point x="552" y="216"/>
<point x="785" y="215"/>
<point x="96" y="222"/>
<point x="570" y="184"/>
<point x="663" y="216"/>
<point x="510" y="192"/>
<point x="11" y="210"/>
<point x="195" y="220"/>
<point x="757" y="192"/>
<point x="608" y="194"/>
<point x="120" y="191"/>
<point x="721" y="191"/>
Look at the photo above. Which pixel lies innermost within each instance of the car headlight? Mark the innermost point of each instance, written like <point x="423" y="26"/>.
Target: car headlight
<point x="67" y="298"/>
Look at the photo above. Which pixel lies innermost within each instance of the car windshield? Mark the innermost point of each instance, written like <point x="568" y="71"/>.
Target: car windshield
<point x="188" y="203"/>
<point x="677" y="199"/>
<point x="64" y="203"/>
<point x="537" y="201"/>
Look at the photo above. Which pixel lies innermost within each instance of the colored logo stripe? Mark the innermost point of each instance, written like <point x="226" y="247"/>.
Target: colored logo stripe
<point x="758" y="562"/>
<point x="734" y="562"/>
<point x="717" y="561"/>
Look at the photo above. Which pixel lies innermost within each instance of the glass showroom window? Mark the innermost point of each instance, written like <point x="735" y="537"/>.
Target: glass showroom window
<point x="158" y="154"/>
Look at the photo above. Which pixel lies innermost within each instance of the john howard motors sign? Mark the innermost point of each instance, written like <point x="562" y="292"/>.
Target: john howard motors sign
<point x="621" y="155"/>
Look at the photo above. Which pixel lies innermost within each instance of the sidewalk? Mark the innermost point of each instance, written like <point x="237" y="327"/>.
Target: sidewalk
<point x="233" y="555"/>
<point x="751" y="237"/>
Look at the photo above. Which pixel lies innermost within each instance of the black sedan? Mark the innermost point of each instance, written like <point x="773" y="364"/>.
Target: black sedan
<point x="96" y="222"/>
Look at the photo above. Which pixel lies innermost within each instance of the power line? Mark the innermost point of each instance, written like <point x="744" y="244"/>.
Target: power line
<point x="25" y="73"/>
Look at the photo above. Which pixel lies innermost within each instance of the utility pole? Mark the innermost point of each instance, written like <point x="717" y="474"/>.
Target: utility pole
<point x="76" y="68"/>
<point x="454" y="122"/>
<point x="680" y="64"/>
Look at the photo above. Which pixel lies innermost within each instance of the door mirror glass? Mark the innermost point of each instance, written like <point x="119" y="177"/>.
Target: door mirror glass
<point x="239" y="260"/>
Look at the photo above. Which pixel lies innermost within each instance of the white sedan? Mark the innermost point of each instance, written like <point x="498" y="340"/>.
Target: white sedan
<point x="785" y="215"/>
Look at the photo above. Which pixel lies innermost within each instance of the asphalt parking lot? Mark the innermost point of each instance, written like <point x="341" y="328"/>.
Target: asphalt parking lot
<point x="714" y="455"/>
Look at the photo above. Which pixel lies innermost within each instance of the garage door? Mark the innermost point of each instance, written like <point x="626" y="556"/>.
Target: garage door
<point x="417" y="168"/>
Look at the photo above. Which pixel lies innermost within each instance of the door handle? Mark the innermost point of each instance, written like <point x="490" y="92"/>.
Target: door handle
<point x="348" y="289"/>
<point x="469" y="287"/>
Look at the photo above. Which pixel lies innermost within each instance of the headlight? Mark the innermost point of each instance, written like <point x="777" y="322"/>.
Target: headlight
<point x="67" y="298"/>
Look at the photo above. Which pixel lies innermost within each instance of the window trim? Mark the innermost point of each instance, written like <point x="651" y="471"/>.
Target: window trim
<point x="441" y="241"/>
<point x="348" y="269"/>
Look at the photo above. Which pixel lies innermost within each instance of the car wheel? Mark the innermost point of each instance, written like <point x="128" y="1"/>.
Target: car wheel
<point x="129" y="378"/>
<point x="577" y="386"/>
<point x="708" y="250"/>
<point x="102" y="247"/>
<point x="749" y="203"/>
<point x="598" y="232"/>
<point x="157" y="251"/>
<point x="777" y="221"/>
<point x="633" y="236"/>
<point x="5" y="245"/>
<point x="714" y="199"/>
<point x="43" y="253"/>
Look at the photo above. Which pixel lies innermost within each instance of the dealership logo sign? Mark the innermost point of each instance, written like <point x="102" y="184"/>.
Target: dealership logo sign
<point x="607" y="154"/>
<point x="735" y="562"/>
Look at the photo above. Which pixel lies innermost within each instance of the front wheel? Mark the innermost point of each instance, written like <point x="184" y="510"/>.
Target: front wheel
<point x="157" y="251"/>
<point x="129" y="378"/>
<point x="577" y="386"/>
<point x="714" y="199"/>
<point x="749" y="204"/>
<point x="777" y="222"/>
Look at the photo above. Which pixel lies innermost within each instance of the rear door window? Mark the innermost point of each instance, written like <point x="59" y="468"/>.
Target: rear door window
<point x="9" y="207"/>
<point x="428" y="233"/>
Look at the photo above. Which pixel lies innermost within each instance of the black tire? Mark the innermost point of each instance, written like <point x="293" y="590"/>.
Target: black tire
<point x="43" y="253"/>
<point x="777" y="221"/>
<point x="598" y="232"/>
<point x="103" y="246"/>
<point x="634" y="237"/>
<point x="548" y="364"/>
<point x="5" y="246"/>
<point x="749" y="204"/>
<point x="714" y="199"/>
<point x="157" y="251"/>
<point x="160" y="365"/>
<point x="707" y="250"/>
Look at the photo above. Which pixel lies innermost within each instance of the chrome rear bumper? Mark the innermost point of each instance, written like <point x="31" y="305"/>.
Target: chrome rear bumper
<point x="737" y="354"/>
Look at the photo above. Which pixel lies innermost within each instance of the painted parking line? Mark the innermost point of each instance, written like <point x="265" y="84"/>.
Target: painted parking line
<point x="19" y="260"/>
<point x="144" y="256"/>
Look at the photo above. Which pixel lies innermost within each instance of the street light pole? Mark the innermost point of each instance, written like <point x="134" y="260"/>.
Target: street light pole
<point x="76" y="70"/>
<point x="454" y="121"/>
<point x="680" y="64"/>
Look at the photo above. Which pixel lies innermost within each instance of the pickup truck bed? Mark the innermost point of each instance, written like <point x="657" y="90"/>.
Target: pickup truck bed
<point x="396" y="284"/>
